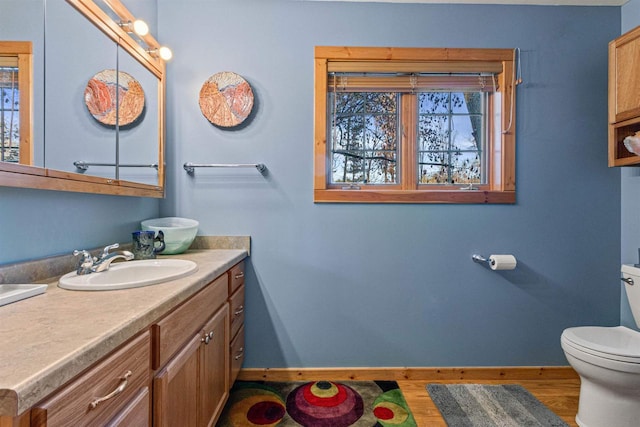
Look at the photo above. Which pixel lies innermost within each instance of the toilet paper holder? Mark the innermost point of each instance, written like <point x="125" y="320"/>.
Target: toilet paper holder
<point x="479" y="258"/>
<point x="497" y="262"/>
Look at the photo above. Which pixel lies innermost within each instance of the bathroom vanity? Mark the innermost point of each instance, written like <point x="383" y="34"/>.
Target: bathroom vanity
<point x="155" y="354"/>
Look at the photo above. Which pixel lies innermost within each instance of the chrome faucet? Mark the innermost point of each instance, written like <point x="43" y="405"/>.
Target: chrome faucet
<point x="89" y="264"/>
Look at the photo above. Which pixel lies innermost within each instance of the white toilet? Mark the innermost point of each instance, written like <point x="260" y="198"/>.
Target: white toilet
<point x="608" y="362"/>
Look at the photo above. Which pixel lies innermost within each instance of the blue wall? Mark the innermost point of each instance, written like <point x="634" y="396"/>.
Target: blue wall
<point x="38" y="223"/>
<point x="394" y="285"/>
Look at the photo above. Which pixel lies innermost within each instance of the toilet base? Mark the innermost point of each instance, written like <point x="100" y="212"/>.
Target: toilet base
<point x="600" y="407"/>
<point x="614" y="404"/>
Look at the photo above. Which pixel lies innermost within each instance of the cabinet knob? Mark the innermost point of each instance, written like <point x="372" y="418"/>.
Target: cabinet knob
<point x="239" y="353"/>
<point x="239" y="275"/>
<point x="207" y="337"/>
<point x="239" y="311"/>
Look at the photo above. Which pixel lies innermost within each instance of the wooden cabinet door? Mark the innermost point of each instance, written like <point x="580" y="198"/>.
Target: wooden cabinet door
<point x="175" y="388"/>
<point x="214" y="381"/>
<point x="136" y="414"/>
<point x="624" y="86"/>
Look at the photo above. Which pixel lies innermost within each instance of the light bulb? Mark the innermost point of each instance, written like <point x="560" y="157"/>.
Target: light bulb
<point x="140" y="27"/>
<point x="165" y="53"/>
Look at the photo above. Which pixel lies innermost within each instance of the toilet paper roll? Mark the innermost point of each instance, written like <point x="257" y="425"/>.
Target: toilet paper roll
<point x="502" y="262"/>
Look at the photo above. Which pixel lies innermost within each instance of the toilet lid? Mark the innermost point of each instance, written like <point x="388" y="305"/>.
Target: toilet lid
<point x="616" y="342"/>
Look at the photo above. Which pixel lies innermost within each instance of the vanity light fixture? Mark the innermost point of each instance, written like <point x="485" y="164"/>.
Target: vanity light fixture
<point x="138" y="26"/>
<point x="163" y="52"/>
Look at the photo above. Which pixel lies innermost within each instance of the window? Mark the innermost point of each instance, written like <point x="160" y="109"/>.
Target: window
<point x="414" y="125"/>
<point x="15" y="102"/>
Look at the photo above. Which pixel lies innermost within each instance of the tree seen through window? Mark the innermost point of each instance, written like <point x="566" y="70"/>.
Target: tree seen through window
<point x="364" y="137"/>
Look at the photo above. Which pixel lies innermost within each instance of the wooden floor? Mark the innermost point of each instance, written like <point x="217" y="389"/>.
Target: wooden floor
<point x="561" y="396"/>
<point x="556" y="387"/>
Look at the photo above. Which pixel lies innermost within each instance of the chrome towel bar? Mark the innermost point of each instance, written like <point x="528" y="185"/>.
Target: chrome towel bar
<point x="82" y="165"/>
<point x="190" y="167"/>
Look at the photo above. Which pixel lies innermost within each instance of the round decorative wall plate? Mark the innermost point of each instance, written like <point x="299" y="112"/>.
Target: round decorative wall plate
<point x="226" y="99"/>
<point x="100" y="97"/>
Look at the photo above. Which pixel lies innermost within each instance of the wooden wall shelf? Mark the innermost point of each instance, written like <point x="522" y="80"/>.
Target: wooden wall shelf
<point x="624" y="96"/>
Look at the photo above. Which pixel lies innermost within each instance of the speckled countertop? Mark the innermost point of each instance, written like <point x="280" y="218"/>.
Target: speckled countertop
<point x="48" y="339"/>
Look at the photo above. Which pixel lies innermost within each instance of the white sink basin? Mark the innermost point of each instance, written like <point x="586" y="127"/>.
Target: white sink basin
<point x="130" y="274"/>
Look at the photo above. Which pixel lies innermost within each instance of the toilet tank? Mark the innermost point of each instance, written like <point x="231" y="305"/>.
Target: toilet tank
<point x="632" y="290"/>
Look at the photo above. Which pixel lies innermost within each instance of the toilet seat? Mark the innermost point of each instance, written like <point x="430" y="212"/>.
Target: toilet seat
<point x="614" y="343"/>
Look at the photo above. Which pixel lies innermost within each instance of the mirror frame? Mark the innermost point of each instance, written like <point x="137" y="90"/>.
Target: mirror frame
<point x="23" y="176"/>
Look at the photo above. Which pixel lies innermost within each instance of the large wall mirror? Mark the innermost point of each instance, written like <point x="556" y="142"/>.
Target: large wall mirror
<point x="78" y="141"/>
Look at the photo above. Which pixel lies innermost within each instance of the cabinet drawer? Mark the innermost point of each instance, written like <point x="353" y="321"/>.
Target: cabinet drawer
<point x="236" y="310"/>
<point x="236" y="277"/>
<point x="78" y="403"/>
<point x="170" y="333"/>
<point x="237" y="355"/>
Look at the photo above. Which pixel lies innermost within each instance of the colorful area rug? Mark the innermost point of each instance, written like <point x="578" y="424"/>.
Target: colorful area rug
<point x="317" y="404"/>
<point x="479" y="405"/>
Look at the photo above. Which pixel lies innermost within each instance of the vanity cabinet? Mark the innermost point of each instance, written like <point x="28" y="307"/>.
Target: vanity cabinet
<point x="192" y="386"/>
<point x="115" y="392"/>
<point x="624" y="96"/>
<point x="236" y="315"/>
<point x="176" y="371"/>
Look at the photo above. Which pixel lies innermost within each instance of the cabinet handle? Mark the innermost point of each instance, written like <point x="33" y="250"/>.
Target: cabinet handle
<point x="114" y="393"/>
<point x="239" y="275"/>
<point x="239" y="311"/>
<point x="239" y="354"/>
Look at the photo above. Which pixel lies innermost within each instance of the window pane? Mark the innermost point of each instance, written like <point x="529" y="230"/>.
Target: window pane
<point x="347" y="167"/>
<point x="383" y="102"/>
<point x="434" y="103"/>
<point x="463" y="134"/>
<point x="458" y="104"/>
<point x="380" y="167"/>
<point x="466" y="169"/>
<point x="363" y="130"/>
<point x="433" y="168"/>
<point x="380" y="132"/>
<point x="474" y="102"/>
<point x="433" y="132"/>
<point x="9" y="115"/>
<point x="348" y="133"/>
<point x="451" y="138"/>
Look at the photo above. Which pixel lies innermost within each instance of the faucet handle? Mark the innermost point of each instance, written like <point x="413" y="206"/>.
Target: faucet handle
<point x="106" y="249"/>
<point x="85" y="263"/>
<point x="85" y="254"/>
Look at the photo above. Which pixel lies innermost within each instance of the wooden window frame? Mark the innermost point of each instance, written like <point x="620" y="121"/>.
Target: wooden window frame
<point x="23" y="52"/>
<point x="500" y="187"/>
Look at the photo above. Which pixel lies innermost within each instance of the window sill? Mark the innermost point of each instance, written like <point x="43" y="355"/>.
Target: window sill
<point x="415" y="196"/>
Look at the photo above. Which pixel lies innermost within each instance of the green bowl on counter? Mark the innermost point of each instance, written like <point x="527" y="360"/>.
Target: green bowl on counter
<point x="178" y="232"/>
